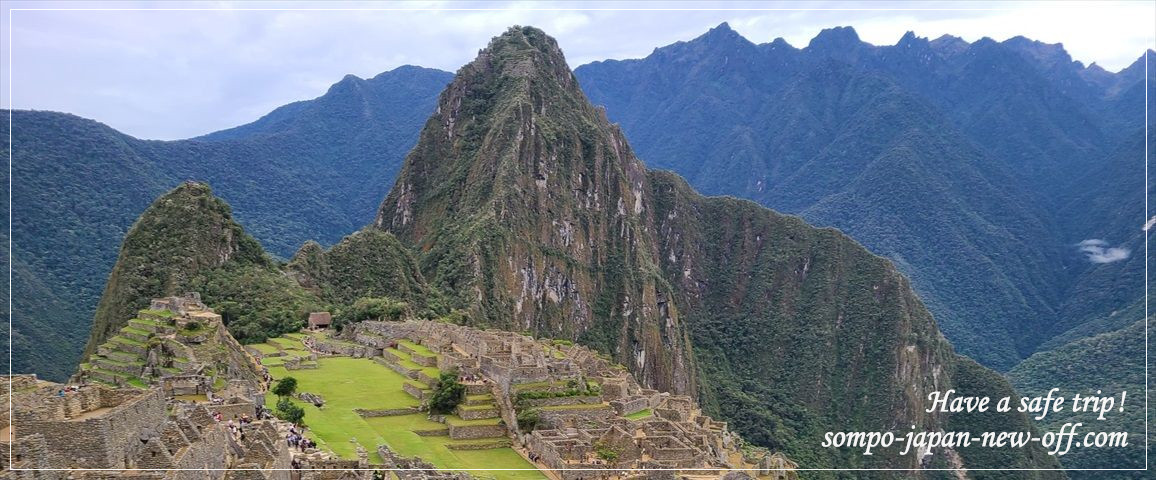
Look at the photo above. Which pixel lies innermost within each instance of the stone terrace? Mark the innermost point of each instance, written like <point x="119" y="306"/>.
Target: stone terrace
<point x="590" y="412"/>
<point x="177" y="341"/>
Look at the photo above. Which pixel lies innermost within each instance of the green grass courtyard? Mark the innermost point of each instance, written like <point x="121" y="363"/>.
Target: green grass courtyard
<point x="351" y="383"/>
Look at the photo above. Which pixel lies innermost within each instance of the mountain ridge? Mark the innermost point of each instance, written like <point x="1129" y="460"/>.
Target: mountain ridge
<point x="774" y="114"/>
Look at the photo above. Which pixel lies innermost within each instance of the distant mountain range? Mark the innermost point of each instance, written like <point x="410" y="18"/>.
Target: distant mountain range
<point x="978" y="168"/>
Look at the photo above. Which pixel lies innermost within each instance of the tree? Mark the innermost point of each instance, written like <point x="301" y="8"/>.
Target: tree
<point x="288" y="411"/>
<point x="448" y="394"/>
<point x="528" y="420"/>
<point x="285" y="387"/>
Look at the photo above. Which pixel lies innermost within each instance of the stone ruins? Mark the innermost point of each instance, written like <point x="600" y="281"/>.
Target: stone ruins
<point x="174" y="396"/>
<point x="143" y="434"/>
<point x="569" y="407"/>
<point x="177" y="343"/>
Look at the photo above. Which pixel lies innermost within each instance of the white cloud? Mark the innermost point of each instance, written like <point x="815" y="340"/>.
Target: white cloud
<point x="1098" y="251"/>
<point x="176" y="74"/>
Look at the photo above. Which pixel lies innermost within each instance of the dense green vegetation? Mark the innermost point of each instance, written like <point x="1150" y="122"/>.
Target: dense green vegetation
<point x="286" y="410"/>
<point x="367" y="265"/>
<point x="256" y="302"/>
<point x="1111" y="363"/>
<point x="447" y="394"/>
<point x="286" y="386"/>
<point x="972" y="379"/>
<point x="182" y="235"/>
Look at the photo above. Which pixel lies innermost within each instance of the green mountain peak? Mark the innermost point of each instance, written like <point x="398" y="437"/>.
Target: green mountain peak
<point x="183" y="242"/>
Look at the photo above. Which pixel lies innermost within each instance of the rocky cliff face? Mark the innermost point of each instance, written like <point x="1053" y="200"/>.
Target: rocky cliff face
<point x="529" y="208"/>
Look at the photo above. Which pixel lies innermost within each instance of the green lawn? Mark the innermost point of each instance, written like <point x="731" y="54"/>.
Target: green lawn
<point x="264" y="348"/>
<point x="349" y="383"/>
<point x="402" y="440"/>
<point x="272" y="361"/>
<point x="640" y="414"/>
<point x="420" y="349"/>
<point x="286" y="343"/>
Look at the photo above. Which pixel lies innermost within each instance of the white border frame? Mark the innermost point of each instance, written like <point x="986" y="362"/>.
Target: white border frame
<point x="10" y="252"/>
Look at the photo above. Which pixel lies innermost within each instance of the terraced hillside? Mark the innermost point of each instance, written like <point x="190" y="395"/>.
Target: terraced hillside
<point x="175" y="338"/>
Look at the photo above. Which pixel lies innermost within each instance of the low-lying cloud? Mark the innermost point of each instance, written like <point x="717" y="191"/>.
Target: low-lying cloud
<point x="1098" y="251"/>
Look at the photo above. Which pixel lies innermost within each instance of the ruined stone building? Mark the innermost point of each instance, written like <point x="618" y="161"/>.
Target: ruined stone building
<point x="128" y="432"/>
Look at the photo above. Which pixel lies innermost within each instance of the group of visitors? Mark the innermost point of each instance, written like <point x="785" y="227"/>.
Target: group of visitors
<point x="237" y="430"/>
<point x="66" y="390"/>
<point x="469" y="378"/>
<point x="296" y="439"/>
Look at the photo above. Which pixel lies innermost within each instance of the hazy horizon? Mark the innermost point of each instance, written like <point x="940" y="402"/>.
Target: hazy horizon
<point x="167" y="70"/>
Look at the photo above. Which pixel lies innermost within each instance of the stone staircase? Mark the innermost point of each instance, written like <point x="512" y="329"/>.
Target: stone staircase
<point x="121" y="360"/>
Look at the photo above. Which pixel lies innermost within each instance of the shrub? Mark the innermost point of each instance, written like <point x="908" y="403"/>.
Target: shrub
<point x="371" y="308"/>
<point x="288" y="411"/>
<point x="448" y="394"/>
<point x="285" y="387"/>
<point x="605" y="452"/>
<point x="528" y="420"/>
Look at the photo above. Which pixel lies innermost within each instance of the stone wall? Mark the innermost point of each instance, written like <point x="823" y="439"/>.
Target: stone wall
<point x="390" y="412"/>
<point x="348" y="349"/>
<point x="233" y="411"/>
<point x="556" y="401"/>
<point x="632" y="405"/>
<point x="97" y="442"/>
<point x="186" y="385"/>
<point x="413" y="390"/>
<point x="469" y="432"/>
<point x="573" y="417"/>
<point x="416" y="468"/>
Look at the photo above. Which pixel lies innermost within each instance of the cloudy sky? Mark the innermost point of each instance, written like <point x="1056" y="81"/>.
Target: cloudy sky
<point x="167" y="70"/>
